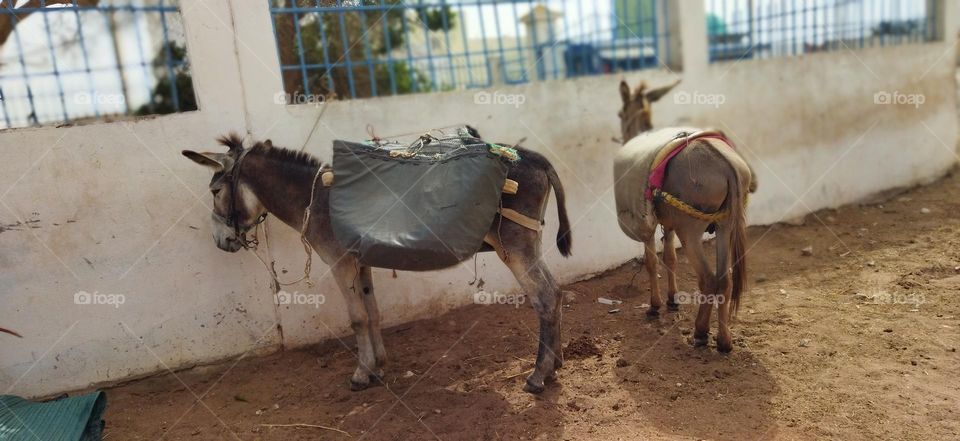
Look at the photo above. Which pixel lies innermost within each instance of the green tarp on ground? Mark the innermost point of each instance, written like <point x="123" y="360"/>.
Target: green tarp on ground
<point x="67" y="419"/>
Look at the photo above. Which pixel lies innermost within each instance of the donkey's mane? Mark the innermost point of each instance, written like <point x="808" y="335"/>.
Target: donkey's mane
<point x="286" y="155"/>
<point x="266" y="149"/>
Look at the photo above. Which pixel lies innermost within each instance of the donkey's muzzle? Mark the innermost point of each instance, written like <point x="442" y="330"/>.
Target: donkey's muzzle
<point x="229" y="244"/>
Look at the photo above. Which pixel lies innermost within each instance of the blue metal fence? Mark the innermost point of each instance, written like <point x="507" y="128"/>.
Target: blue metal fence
<point x="69" y="61"/>
<point x="739" y="29"/>
<point x="364" y="48"/>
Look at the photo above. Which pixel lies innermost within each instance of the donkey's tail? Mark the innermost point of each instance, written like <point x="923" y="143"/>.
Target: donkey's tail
<point x="564" y="239"/>
<point x="738" y="238"/>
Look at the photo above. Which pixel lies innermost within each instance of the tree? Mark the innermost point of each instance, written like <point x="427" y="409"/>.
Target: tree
<point x="362" y="38"/>
<point x="9" y="17"/>
<point x="161" y="100"/>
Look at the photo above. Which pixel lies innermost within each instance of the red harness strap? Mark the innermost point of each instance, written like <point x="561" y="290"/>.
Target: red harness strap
<point x="659" y="171"/>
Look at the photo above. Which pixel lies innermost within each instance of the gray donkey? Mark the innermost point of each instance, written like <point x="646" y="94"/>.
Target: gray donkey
<point x="704" y="188"/>
<point x="249" y="183"/>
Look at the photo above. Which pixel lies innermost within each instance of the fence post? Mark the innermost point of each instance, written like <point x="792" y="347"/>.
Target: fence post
<point x="947" y="22"/>
<point x="263" y="89"/>
<point x="687" y="21"/>
<point x="214" y="66"/>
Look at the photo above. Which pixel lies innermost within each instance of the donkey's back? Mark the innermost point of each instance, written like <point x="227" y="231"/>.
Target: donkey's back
<point x="631" y="171"/>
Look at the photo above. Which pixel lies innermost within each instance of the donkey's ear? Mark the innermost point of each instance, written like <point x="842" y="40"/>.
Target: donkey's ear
<point x="624" y="91"/>
<point x="656" y="94"/>
<point x="216" y="161"/>
<point x="268" y="143"/>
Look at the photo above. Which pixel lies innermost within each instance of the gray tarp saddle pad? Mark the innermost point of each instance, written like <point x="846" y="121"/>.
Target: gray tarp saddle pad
<point x="422" y="212"/>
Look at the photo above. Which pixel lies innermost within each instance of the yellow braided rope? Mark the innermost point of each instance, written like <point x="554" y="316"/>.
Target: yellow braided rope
<point x="688" y="209"/>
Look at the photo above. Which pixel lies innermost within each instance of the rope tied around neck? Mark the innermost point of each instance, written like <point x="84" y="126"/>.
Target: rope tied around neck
<point x="307" y="248"/>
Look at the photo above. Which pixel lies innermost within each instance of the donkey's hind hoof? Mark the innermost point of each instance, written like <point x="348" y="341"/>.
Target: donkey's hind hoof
<point x="357" y="386"/>
<point x="531" y="388"/>
<point x="653" y="313"/>
<point x="701" y="341"/>
<point x="673" y="307"/>
<point x="724" y="346"/>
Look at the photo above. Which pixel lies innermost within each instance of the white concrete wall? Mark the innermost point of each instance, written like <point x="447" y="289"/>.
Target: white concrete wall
<point x="118" y="211"/>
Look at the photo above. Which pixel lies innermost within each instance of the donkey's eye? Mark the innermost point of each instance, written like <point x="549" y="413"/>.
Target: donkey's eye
<point x="215" y="191"/>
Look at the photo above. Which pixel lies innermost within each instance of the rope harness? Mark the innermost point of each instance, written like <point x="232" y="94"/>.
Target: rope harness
<point x="689" y="210"/>
<point x="233" y="217"/>
<point x="251" y="243"/>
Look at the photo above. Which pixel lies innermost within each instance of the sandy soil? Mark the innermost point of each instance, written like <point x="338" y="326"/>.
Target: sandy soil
<point x="857" y="341"/>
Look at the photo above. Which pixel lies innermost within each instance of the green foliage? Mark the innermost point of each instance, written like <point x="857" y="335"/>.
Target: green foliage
<point x="356" y="38"/>
<point x="439" y="19"/>
<point x="161" y="100"/>
<point x="408" y="79"/>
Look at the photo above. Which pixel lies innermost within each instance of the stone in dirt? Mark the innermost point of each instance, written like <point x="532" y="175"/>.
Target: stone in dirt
<point x="807" y="251"/>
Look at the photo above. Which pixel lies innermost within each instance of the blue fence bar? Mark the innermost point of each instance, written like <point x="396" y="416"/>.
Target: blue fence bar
<point x="63" y="62"/>
<point x="368" y="48"/>
<point x="744" y="29"/>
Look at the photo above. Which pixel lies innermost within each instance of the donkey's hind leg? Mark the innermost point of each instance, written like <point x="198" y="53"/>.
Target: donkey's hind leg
<point x="724" y="289"/>
<point x="670" y="264"/>
<point x="544" y="293"/>
<point x="650" y="261"/>
<point x="373" y="314"/>
<point x="691" y="236"/>
<point x="347" y="274"/>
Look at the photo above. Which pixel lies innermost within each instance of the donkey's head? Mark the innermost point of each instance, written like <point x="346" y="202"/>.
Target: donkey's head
<point x="635" y="114"/>
<point x="236" y="209"/>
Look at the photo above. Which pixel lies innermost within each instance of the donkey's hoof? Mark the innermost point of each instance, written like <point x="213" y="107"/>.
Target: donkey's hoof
<point x="701" y="341"/>
<point x="673" y="307"/>
<point x="653" y="313"/>
<point x="724" y="347"/>
<point x="357" y="386"/>
<point x="531" y="388"/>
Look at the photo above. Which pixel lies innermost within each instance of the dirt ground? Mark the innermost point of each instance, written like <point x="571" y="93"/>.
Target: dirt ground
<point x="857" y="341"/>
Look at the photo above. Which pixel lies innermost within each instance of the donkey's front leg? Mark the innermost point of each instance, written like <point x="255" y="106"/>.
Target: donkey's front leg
<point x="346" y="272"/>
<point x="373" y="313"/>
<point x="544" y="293"/>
